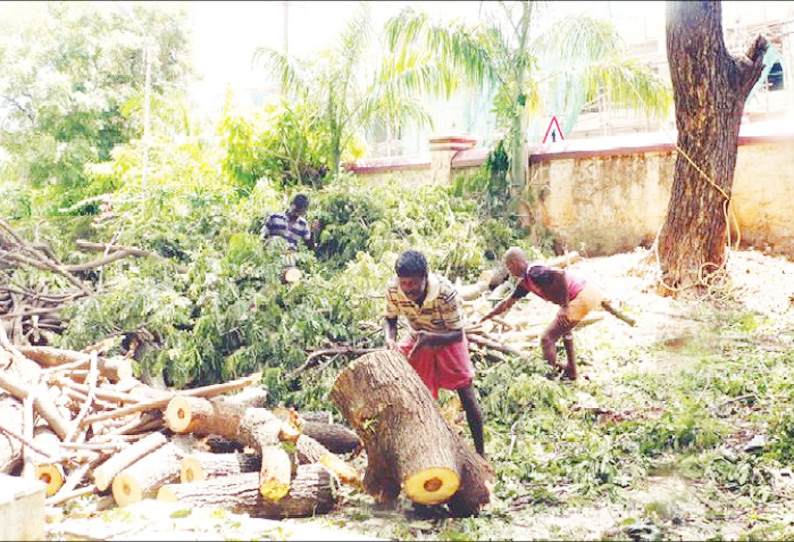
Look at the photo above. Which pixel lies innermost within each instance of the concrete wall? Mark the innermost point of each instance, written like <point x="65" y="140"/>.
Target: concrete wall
<point x="608" y="195"/>
<point x="611" y="197"/>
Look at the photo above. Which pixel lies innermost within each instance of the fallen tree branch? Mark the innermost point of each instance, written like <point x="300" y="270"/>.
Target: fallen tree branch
<point x="206" y="391"/>
<point x="29" y="444"/>
<point x="310" y="359"/>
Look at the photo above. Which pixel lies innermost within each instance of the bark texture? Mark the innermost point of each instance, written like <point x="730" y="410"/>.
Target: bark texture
<point x="408" y="442"/>
<point x="710" y="88"/>
<point x="311" y="493"/>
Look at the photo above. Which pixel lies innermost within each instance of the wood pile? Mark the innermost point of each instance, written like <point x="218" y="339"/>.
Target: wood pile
<point x="80" y="422"/>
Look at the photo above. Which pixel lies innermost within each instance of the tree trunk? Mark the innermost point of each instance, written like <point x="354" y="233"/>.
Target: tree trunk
<point x="409" y="444"/>
<point x="710" y="87"/>
<point x="311" y="493"/>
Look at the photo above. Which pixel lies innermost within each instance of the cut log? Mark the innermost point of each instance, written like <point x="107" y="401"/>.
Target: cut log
<point x="275" y="473"/>
<point x="104" y="474"/>
<point x="336" y="438"/>
<point x="114" y="368"/>
<point x="203" y="466"/>
<point x="311" y="493"/>
<point x="52" y="475"/>
<point x="10" y="448"/>
<point x="290" y="275"/>
<point x="409" y="444"/>
<point x="309" y="450"/>
<point x="42" y="402"/>
<point x="142" y="479"/>
<point x="254" y="427"/>
<point x="47" y="356"/>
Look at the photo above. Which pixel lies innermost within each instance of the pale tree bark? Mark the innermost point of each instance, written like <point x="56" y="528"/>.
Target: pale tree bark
<point x="710" y="88"/>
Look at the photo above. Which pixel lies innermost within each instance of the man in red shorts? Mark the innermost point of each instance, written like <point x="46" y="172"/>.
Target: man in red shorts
<point x="436" y="346"/>
<point x="575" y="295"/>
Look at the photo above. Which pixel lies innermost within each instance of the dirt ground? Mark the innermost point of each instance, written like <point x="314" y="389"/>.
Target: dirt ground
<point x="761" y="284"/>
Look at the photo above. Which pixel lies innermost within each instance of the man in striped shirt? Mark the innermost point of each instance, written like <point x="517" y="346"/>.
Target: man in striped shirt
<point x="436" y="346"/>
<point x="292" y="225"/>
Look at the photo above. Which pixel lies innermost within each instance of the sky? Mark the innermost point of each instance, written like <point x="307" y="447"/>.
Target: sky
<point x="226" y="33"/>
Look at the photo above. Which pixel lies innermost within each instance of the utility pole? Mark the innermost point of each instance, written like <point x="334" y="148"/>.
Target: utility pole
<point x="147" y="60"/>
<point x="285" y="33"/>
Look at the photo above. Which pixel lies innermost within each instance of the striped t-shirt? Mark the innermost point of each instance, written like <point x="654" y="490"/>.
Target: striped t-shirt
<point x="278" y="224"/>
<point x="440" y="311"/>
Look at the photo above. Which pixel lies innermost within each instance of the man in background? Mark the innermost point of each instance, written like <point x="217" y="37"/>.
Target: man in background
<point x="292" y="225"/>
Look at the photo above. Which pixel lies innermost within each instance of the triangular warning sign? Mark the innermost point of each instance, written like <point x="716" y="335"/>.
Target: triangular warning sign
<point x="556" y="131"/>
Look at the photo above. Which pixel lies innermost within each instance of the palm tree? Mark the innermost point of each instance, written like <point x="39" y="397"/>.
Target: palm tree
<point x="354" y="96"/>
<point x="525" y="57"/>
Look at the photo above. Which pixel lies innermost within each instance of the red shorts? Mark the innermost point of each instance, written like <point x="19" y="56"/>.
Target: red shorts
<point x="447" y="367"/>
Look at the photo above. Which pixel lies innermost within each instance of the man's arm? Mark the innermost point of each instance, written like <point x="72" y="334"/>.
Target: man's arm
<point x="390" y="330"/>
<point x="313" y="237"/>
<point x="505" y="304"/>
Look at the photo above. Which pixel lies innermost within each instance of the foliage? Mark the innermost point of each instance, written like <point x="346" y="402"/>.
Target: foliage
<point x="349" y="97"/>
<point x="73" y="84"/>
<point x="285" y="143"/>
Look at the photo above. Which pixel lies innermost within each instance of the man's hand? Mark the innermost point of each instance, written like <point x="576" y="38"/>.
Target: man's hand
<point x="391" y="344"/>
<point x="421" y="340"/>
<point x="563" y="318"/>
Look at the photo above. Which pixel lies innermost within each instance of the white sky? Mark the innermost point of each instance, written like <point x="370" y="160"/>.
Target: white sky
<point x="226" y="33"/>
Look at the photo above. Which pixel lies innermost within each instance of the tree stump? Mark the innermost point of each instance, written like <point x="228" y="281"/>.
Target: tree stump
<point x="311" y="492"/>
<point x="409" y="444"/>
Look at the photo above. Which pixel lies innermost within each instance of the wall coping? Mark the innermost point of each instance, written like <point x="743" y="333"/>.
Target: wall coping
<point x="751" y="133"/>
<point x="383" y="164"/>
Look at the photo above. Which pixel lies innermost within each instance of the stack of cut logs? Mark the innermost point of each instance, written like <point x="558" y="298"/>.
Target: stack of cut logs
<point x="81" y="423"/>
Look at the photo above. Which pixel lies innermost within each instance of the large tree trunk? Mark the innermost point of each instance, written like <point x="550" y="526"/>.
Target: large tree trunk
<point x="408" y="442"/>
<point x="710" y="87"/>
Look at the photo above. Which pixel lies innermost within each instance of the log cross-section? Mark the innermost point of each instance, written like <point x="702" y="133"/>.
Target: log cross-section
<point x="409" y="444"/>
